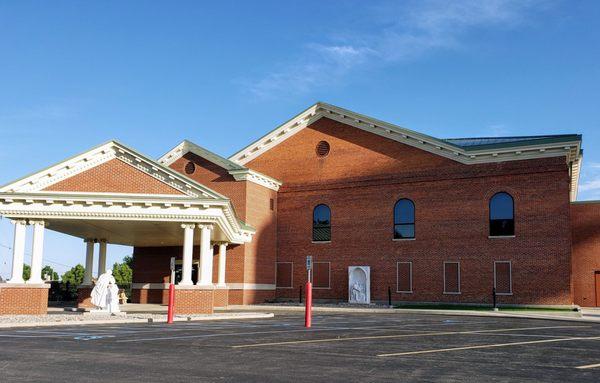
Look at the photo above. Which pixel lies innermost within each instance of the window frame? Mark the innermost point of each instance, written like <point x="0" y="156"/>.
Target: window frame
<point x="513" y="235"/>
<point x="458" y="276"/>
<point x="413" y="224"/>
<point x="510" y="278"/>
<point x="313" y="224"/>
<point x="328" y="276"/>
<point x="398" y="279"/>
<point x="291" y="276"/>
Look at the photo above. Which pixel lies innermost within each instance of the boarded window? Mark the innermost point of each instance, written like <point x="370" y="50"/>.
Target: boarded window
<point x="283" y="278"/>
<point x="321" y="275"/>
<point x="502" y="277"/>
<point x="451" y="278"/>
<point x="404" y="277"/>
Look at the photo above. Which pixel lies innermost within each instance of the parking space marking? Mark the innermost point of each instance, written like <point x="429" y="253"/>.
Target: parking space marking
<point x="482" y="346"/>
<point x="436" y="333"/>
<point x="588" y="366"/>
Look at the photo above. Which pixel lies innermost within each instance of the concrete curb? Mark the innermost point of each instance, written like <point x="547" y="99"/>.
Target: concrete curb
<point x="252" y="315"/>
<point x="421" y="311"/>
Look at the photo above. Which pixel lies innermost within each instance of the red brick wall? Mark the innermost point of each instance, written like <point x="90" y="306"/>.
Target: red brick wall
<point x="23" y="301"/>
<point x="113" y="176"/>
<point x="84" y="299"/>
<point x="361" y="180"/>
<point x="585" y="221"/>
<point x="221" y="297"/>
<point x="160" y="296"/>
<point x="215" y="178"/>
<point x="194" y="301"/>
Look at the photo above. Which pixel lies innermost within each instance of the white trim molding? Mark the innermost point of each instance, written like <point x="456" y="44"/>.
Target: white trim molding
<point x="510" y="279"/>
<point x="239" y="173"/>
<point x="568" y="147"/>
<point x="291" y="286"/>
<point x="410" y="264"/>
<point x="251" y="286"/>
<point x="458" y="276"/>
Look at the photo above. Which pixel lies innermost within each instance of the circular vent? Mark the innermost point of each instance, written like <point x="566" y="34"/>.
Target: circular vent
<point x="322" y="148"/>
<point x="190" y="168"/>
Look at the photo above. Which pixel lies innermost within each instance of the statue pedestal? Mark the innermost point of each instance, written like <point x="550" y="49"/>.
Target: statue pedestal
<point x="84" y="299"/>
<point x="23" y="299"/>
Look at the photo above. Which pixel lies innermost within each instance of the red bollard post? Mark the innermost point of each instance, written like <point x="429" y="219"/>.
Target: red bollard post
<point x="171" y="303"/>
<point x="308" y="312"/>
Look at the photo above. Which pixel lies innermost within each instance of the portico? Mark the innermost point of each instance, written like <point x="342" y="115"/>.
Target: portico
<point x="182" y="214"/>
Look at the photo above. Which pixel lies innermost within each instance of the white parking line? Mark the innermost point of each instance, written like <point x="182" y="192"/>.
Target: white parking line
<point x="435" y="333"/>
<point x="588" y="366"/>
<point x="487" y="346"/>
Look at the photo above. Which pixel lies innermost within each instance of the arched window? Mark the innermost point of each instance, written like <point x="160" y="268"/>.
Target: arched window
<point x="404" y="219"/>
<point x="502" y="215"/>
<point x="321" y="223"/>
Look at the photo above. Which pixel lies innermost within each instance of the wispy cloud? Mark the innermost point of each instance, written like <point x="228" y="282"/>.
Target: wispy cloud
<point x="400" y="31"/>
<point x="589" y="187"/>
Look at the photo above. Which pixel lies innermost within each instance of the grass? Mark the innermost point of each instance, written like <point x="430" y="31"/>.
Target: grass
<point x="480" y="308"/>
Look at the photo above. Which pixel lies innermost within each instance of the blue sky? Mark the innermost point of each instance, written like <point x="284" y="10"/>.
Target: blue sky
<point x="74" y="74"/>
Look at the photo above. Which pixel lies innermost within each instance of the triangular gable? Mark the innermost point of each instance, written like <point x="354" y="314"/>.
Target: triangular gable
<point x="107" y="163"/>
<point x="239" y="173"/>
<point x="114" y="176"/>
<point x="551" y="146"/>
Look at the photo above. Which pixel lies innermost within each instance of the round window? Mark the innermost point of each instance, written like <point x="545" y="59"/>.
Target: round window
<point x="190" y="168"/>
<point x="323" y="148"/>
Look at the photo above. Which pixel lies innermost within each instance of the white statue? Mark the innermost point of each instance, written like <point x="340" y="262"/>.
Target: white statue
<point x="105" y="294"/>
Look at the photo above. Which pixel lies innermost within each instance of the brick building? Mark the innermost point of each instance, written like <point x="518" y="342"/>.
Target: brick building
<point x="435" y="220"/>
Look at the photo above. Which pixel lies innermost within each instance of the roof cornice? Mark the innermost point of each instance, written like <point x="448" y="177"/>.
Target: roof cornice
<point x="569" y="147"/>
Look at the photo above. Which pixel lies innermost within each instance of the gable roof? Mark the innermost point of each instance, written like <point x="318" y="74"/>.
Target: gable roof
<point x="464" y="150"/>
<point x="239" y="172"/>
<point x="101" y="154"/>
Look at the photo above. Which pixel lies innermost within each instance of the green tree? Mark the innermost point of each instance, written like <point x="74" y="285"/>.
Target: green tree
<point x="122" y="271"/>
<point x="49" y="271"/>
<point x="74" y="276"/>
<point x="26" y="272"/>
<point x="71" y="279"/>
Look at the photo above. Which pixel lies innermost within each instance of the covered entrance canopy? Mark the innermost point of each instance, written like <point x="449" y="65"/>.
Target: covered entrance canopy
<point x="113" y="194"/>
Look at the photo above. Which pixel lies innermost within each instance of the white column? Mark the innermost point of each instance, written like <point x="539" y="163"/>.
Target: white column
<point x="102" y="257"/>
<point x="18" y="252"/>
<point x="206" y="256"/>
<point x="188" y="247"/>
<point x="89" y="262"/>
<point x="37" y="252"/>
<point x="222" y="263"/>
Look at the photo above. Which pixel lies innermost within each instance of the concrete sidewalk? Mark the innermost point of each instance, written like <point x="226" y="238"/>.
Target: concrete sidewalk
<point x="587" y="315"/>
<point x="77" y="319"/>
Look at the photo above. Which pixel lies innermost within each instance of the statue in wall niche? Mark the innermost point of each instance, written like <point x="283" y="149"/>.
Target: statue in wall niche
<point x="359" y="280"/>
<point x="358" y="292"/>
<point x="105" y="295"/>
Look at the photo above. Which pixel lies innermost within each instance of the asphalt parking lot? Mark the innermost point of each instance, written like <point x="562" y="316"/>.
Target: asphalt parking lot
<point x="338" y="348"/>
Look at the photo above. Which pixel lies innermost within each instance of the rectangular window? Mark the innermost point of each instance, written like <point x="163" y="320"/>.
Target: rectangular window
<point x="284" y="275"/>
<point x="451" y="277"/>
<point x="503" y="277"/>
<point x="321" y="275"/>
<point x="404" y="277"/>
